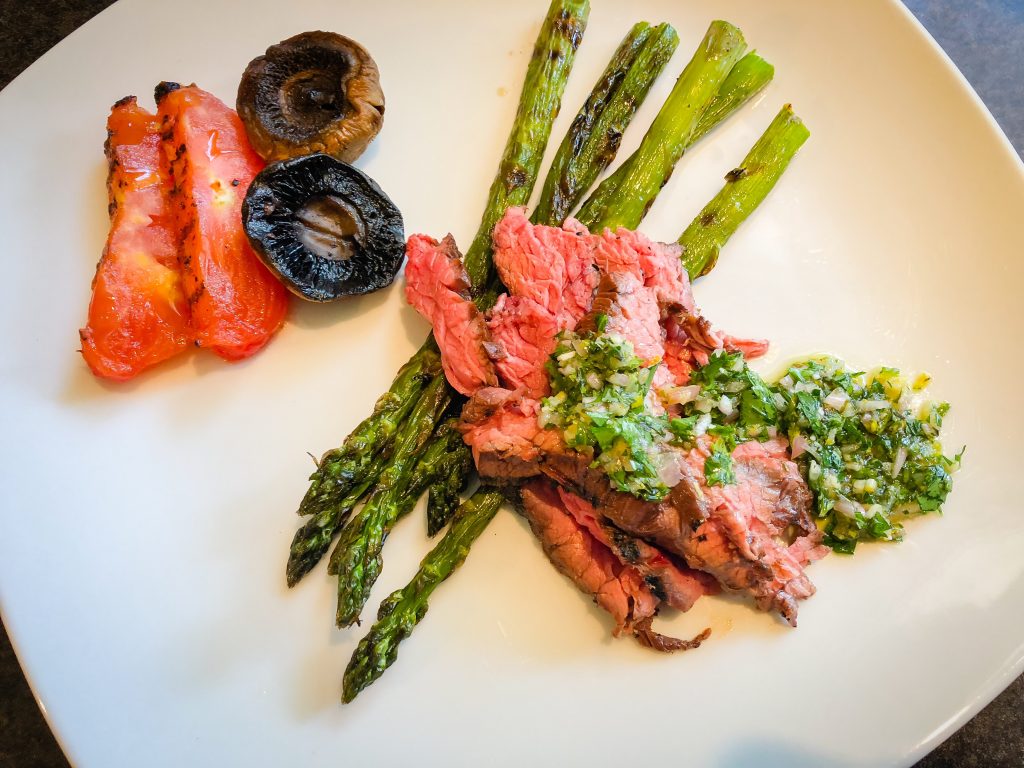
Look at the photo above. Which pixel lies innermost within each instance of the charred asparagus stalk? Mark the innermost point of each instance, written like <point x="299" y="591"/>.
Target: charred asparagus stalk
<point x="671" y="131"/>
<point x="313" y="539"/>
<point x="593" y="138"/>
<point x="546" y="76"/>
<point x="443" y="495"/>
<point x="745" y="188"/>
<point x="342" y="469"/>
<point x="400" y="613"/>
<point x="750" y="75"/>
<point x="403" y="610"/>
<point x="357" y="556"/>
<point x="744" y="81"/>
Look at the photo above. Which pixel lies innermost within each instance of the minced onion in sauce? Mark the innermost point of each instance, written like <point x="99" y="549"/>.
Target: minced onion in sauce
<point x="868" y="444"/>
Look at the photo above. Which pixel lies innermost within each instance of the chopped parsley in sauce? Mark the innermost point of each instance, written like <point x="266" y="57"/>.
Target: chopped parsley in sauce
<point x="598" y="392"/>
<point x="869" y="447"/>
<point x="867" y="444"/>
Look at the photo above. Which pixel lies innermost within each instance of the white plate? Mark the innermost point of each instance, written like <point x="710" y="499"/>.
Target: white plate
<point x="144" y="527"/>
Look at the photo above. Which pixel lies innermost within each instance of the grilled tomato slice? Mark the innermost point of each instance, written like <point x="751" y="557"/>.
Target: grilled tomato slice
<point x="138" y="315"/>
<point x="237" y="304"/>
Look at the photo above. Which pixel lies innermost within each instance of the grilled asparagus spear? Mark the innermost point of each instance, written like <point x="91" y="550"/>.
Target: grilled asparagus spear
<point x="443" y="494"/>
<point x="342" y="469"/>
<point x="593" y="138"/>
<point x="744" y="81"/>
<point x="313" y="539"/>
<point x="402" y="611"/>
<point x="357" y="557"/>
<point x="745" y="188"/>
<point x="671" y="131"/>
<point x="546" y="76"/>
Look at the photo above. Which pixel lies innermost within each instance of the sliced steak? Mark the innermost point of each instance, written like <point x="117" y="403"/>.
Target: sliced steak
<point x="437" y="286"/>
<point x="735" y="533"/>
<point x="553" y="266"/>
<point x="676" y="584"/>
<point x="632" y="312"/>
<point x="657" y="265"/>
<point x="690" y="340"/>
<point x="760" y="532"/>
<point x="618" y="588"/>
<point x="501" y="428"/>
<point x="522" y="336"/>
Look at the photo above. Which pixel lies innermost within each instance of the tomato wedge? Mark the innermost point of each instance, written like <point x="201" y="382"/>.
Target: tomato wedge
<point x="138" y="315"/>
<point x="237" y="304"/>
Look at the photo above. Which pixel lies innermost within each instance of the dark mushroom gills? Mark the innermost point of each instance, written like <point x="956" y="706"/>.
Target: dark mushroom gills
<point x="325" y="228"/>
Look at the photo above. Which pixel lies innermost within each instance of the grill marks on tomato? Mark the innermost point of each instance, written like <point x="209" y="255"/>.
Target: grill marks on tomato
<point x="237" y="304"/>
<point x="138" y="315"/>
<point x="177" y="268"/>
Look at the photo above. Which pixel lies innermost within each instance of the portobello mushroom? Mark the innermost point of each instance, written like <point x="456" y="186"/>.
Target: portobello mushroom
<point x="314" y="92"/>
<point x="325" y="228"/>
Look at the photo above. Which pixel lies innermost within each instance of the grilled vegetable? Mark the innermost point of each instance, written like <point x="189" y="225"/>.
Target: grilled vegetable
<point x="552" y="60"/>
<point x="237" y="304"/>
<point x="344" y="468"/>
<point x="357" y="558"/>
<point x="313" y="539"/>
<point x="325" y="228"/>
<point x="745" y="188"/>
<point x="314" y="92"/>
<point x="593" y="138"/>
<point x="750" y="75"/>
<point x="138" y="315"/>
<point x="402" y="611"/>
<point x="451" y="460"/>
<point x="671" y="131"/>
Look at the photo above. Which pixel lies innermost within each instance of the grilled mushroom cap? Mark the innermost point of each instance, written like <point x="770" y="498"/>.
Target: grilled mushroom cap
<point x="325" y="228"/>
<point x="315" y="92"/>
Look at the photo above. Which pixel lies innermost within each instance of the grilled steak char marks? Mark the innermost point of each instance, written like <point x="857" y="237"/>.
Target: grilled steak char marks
<point x="437" y="286"/>
<point x="672" y="582"/>
<point x="754" y="536"/>
<point x="618" y="588"/>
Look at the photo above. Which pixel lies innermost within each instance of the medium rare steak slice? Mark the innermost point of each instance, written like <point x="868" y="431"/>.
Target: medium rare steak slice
<point x="593" y="568"/>
<point x="676" y="584"/>
<point x="437" y="286"/>
<point x="731" y="532"/>
<point x="727" y="531"/>
<point x="501" y="428"/>
<point x="618" y="589"/>
<point x="552" y="266"/>
<point x="743" y="542"/>
<point x="522" y="336"/>
<point x="631" y="309"/>
<point x="657" y="265"/>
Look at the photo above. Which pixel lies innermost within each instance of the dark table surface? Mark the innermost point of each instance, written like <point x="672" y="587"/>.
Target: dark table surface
<point x="977" y="34"/>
